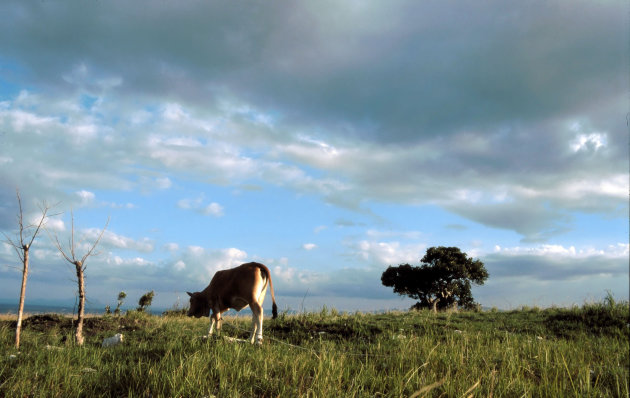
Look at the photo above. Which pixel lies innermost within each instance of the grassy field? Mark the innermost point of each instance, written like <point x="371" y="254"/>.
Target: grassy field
<point x="575" y="352"/>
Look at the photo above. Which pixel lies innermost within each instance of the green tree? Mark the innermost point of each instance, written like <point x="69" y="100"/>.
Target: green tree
<point x="442" y="280"/>
<point x="145" y="301"/>
<point x="121" y="297"/>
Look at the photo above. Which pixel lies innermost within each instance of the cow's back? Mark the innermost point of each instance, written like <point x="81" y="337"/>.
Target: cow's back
<point x="233" y="288"/>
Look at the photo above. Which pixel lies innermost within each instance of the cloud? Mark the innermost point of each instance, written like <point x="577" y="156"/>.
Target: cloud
<point x="309" y="246"/>
<point x="558" y="263"/>
<point x="592" y="142"/>
<point x="388" y="253"/>
<point x="378" y="234"/>
<point x="115" y="241"/>
<point x="179" y="265"/>
<point x="500" y="180"/>
<point x="320" y="228"/>
<point x="171" y="247"/>
<point x="212" y="209"/>
<point x="86" y="197"/>
<point x="202" y="263"/>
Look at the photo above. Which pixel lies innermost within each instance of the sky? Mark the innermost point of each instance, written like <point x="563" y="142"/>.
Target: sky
<point x="327" y="140"/>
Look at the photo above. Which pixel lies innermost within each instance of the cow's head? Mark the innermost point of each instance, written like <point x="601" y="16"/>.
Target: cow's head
<point x="199" y="306"/>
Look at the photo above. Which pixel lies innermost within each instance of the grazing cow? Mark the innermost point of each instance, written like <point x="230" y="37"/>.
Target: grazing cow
<point x="235" y="288"/>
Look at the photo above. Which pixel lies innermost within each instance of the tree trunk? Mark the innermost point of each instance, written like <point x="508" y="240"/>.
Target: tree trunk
<point x="434" y="305"/>
<point x="81" y="310"/>
<point x="18" y="328"/>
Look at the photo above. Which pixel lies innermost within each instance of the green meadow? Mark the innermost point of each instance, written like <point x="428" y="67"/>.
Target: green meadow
<point x="529" y="352"/>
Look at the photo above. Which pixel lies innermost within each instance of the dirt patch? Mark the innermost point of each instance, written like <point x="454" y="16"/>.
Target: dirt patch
<point x="92" y="325"/>
<point x="46" y="322"/>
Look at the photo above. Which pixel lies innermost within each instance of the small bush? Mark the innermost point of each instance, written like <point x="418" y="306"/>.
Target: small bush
<point x="145" y="301"/>
<point x="175" y="312"/>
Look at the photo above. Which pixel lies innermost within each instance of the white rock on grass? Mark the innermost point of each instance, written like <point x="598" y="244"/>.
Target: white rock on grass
<point x="112" y="341"/>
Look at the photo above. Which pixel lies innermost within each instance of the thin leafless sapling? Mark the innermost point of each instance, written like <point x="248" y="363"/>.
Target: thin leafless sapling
<point x="22" y="244"/>
<point x="79" y="266"/>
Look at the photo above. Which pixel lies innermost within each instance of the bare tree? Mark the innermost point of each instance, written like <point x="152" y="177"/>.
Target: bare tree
<point x="79" y="266"/>
<point x="22" y="247"/>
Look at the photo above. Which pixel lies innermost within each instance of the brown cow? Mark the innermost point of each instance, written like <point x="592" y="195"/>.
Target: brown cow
<point x="235" y="288"/>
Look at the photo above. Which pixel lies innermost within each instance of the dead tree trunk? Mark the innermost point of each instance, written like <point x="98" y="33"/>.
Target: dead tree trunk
<point x="81" y="310"/>
<point x="79" y="266"/>
<point x="18" y="327"/>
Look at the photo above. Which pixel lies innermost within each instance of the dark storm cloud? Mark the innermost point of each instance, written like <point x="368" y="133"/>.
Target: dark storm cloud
<point x="394" y="71"/>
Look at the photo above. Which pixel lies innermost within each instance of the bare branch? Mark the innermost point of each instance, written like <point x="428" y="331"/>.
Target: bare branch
<point x="89" y="253"/>
<point x="72" y="236"/>
<point x="55" y="240"/>
<point x="71" y="256"/>
<point x="16" y="247"/>
<point x="41" y="222"/>
<point x="63" y="253"/>
<point x="8" y="240"/>
<point x="20" y="217"/>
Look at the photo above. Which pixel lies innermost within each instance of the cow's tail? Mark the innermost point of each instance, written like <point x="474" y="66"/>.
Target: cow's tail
<point x="274" y="307"/>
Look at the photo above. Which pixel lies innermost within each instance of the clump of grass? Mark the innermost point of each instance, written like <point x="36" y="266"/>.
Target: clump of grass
<point x="601" y="318"/>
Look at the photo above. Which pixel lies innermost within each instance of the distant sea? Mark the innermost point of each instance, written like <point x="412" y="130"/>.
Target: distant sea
<point x="7" y="308"/>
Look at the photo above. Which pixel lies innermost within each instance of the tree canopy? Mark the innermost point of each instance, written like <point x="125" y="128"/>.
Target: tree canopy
<point x="442" y="280"/>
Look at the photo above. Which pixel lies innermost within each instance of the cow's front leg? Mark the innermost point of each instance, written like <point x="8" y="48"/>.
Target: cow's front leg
<point x="212" y="322"/>
<point x="215" y="319"/>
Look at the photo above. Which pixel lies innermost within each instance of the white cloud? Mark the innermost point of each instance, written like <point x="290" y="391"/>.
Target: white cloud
<point x="285" y="274"/>
<point x="320" y="228"/>
<point x="188" y="204"/>
<point x="296" y="280"/>
<point x="86" y="197"/>
<point x="22" y="120"/>
<point x="202" y="263"/>
<point x="196" y="250"/>
<point x="113" y="240"/>
<point x="124" y="265"/>
<point x="174" y="112"/>
<point x="83" y="132"/>
<point x="163" y="182"/>
<point x="55" y="224"/>
<point x="616" y="186"/>
<point x="589" y="142"/>
<point x="172" y="247"/>
<point x="388" y="253"/>
<point x="309" y="246"/>
<point x="620" y="250"/>
<point x="213" y="209"/>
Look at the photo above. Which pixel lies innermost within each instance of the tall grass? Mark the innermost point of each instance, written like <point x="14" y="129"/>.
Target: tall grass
<point x="556" y="352"/>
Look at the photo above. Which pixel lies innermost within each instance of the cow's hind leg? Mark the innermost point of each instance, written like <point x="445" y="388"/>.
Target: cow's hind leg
<point x="257" y="321"/>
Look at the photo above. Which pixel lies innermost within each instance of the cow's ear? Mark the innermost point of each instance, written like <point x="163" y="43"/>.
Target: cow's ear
<point x="190" y="294"/>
